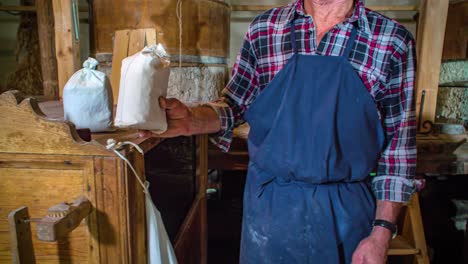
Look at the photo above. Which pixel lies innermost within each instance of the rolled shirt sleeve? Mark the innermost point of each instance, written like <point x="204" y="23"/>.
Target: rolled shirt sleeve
<point x="237" y="95"/>
<point x="397" y="164"/>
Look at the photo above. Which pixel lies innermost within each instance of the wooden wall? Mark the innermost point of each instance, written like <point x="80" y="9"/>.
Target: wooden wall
<point x="456" y="32"/>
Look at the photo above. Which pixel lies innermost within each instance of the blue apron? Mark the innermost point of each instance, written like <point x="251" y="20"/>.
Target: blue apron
<point x="315" y="137"/>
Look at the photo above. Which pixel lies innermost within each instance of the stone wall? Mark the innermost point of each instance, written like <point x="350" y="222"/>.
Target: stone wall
<point x="452" y="100"/>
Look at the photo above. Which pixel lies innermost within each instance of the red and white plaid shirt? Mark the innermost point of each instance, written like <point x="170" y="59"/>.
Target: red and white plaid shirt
<point x="383" y="56"/>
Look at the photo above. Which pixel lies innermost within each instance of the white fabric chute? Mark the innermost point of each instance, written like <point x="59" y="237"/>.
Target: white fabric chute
<point x="159" y="246"/>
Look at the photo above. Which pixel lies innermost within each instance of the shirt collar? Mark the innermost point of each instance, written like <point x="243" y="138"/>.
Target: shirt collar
<point x="359" y="14"/>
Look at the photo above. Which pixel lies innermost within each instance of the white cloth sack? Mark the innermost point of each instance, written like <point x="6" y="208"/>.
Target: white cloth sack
<point x="87" y="98"/>
<point x="144" y="78"/>
<point x="160" y="250"/>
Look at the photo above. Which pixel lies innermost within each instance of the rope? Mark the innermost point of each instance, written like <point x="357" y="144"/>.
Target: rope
<point x="179" y="18"/>
<point x="114" y="146"/>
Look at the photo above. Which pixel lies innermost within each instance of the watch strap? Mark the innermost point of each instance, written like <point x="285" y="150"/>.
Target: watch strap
<point x="386" y="224"/>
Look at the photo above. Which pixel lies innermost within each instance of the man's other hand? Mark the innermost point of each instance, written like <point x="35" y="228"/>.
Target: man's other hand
<point x="373" y="249"/>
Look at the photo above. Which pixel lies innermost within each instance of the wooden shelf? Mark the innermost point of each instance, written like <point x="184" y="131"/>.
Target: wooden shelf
<point x="401" y="246"/>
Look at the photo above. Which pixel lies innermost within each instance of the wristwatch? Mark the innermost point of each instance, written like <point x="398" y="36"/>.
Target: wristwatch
<point x="386" y="224"/>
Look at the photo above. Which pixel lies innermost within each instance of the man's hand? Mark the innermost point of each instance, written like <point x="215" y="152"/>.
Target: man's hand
<point x="185" y="121"/>
<point x="178" y="116"/>
<point x="373" y="249"/>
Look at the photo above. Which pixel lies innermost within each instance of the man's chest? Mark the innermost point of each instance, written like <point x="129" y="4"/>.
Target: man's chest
<point x="368" y="57"/>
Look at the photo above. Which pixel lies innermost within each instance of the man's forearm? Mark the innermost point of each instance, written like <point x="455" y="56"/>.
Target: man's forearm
<point x="204" y="120"/>
<point x="388" y="211"/>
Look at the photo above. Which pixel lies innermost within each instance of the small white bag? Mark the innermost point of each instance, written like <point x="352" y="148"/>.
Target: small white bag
<point x="144" y="78"/>
<point x="87" y="98"/>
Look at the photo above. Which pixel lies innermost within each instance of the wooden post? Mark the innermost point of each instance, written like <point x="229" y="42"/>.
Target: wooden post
<point x="67" y="43"/>
<point x="201" y="183"/>
<point x="45" y="22"/>
<point x="430" y="41"/>
<point x="21" y="248"/>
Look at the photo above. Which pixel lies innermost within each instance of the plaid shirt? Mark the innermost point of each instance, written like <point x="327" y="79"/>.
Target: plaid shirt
<point x="383" y="56"/>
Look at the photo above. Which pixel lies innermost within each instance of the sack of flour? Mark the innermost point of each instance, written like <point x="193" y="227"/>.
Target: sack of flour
<point x="144" y="78"/>
<point x="87" y="98"/>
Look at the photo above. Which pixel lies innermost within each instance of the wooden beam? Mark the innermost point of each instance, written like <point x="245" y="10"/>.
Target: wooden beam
<point x="202" y="183"/>
<point x="258" y="8"/>
<point x="18" y="8"/>
<point x="26" y="8"/>
<point x="45" y="22"/>
<point x="67" y="44"/>
<point x="430" y="41"/>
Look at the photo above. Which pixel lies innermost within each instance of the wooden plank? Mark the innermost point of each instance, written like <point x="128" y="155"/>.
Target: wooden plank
<point x="54" y="110"/>
<point x="111" y="205"/>
<point x="25" y="129"/>
<point x="456" y="34"/>
<point x="150" y="37"/>
<point x="67" y="44"/>
<point x="201" y="184"/>
<point x="45" y="22"/>
<point x="259" y="8"/>
<point x="127" y="43"/>
<point x="18" y="8"/>
<point x="187" y="242"/>
<point x="430" y="40"/>
<point x="401" y="246"/>
<point x="136" y="217"/>
<point x="191" y="242"/>
<point x="26" y="8"/>
<point x="121" y="41"/>
<point x="90" y="173"/>
<point x="136" y="42"/>
<point x="42" y="187"/>
<point x="21" y="248"/>
<point x="414" y="212"/>
<point x="205" y="24"/>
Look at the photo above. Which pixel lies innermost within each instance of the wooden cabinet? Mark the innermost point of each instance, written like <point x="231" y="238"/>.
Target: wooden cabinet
<point x="43" y="162"/>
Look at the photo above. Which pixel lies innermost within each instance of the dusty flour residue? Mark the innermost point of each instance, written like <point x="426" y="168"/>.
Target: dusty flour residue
<point x="257" y="238"/>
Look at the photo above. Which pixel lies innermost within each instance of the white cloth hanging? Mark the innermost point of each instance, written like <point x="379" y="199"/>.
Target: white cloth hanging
<point x="159" y="247"/>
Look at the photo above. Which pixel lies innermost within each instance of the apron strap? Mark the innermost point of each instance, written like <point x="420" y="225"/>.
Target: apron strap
<point x="293" y="37"/>
<point x="350" y="44"/>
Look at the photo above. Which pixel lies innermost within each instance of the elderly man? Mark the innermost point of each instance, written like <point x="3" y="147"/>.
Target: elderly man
<point x="327" y="88"/>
